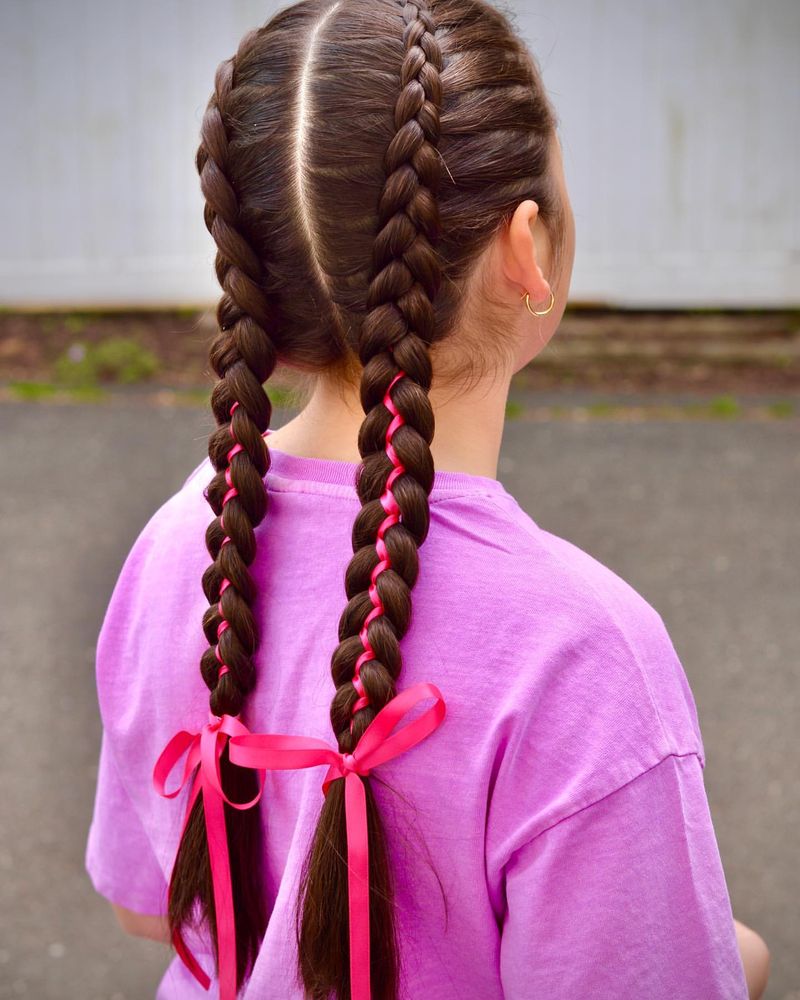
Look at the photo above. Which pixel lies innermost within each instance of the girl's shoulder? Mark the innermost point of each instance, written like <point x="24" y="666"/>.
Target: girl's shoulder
<point x="504" y="559"/>
<point x="584" y="690"/>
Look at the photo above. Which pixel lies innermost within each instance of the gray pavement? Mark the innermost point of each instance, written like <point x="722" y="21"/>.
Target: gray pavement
<point x="700" y="516"/>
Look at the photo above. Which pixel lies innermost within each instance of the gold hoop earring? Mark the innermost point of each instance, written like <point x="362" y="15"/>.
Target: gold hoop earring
<point x="543" y="312"/>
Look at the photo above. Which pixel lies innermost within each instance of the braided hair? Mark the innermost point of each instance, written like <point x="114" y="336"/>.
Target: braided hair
<point x="345" y="250"/>
<point x="243" y="357"/>
<point x="394" y="480"/>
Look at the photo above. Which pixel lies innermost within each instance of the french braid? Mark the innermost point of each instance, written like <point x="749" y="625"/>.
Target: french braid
<point x="394" y="481"/>
<point x="243" y="357"/>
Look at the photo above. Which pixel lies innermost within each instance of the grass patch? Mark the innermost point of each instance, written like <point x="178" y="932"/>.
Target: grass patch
<point x="32" y="391"/>
<point x="76" y="323"/>
<point x="282" y="398"/>
<point x="87" y="394"/>
<point x="725" y="407"/>
<point x="194" y="397"/>
<point x="41" y="392"/>
<point x="514" y="409"/>
<point x="782" y="409"/>
<point x="121" y="360"/>
<point x="601" y="409"/>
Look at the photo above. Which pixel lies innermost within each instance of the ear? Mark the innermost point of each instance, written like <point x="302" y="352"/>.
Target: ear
<point x="523" y="252"/>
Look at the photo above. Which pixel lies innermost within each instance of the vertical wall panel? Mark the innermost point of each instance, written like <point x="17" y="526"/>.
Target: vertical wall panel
<point x="680" y="123"/>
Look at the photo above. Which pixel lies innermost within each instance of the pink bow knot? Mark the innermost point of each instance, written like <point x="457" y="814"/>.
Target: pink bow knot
<point x="204" y="749"/>
<point x="378" y="743"/>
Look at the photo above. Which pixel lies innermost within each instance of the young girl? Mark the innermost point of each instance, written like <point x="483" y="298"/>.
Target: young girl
<point x="491" y="785"/>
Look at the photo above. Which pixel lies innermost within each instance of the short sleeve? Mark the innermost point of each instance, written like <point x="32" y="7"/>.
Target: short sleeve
<point x="624" y="898"/>
<point x="146" y="646"/>
<point x="119" y="856"/>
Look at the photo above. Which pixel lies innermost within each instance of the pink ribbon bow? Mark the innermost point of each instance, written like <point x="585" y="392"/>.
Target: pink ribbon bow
<point x="204" y="748"/>
<point x="265" y="751"/>
<point x="377" y="745"/>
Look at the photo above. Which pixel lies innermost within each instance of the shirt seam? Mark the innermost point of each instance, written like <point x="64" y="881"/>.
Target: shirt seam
<point x="276" y="483"/>
<point x="283" y="484"/>
<point x="602" y="798"/>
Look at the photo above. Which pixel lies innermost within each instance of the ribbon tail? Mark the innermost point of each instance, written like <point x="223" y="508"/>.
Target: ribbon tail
<point x="181" y="948"/>
<point x="216" y="834"/>
<point x="190" y="961"/>
<point x="358" y="886"/>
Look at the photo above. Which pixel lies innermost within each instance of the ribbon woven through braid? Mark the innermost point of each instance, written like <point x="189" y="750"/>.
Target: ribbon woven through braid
<point x="389" y="504"/>
<point x="231" y="492"/>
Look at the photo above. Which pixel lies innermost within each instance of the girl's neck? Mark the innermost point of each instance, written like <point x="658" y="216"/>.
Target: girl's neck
<point x="469" y="426"/>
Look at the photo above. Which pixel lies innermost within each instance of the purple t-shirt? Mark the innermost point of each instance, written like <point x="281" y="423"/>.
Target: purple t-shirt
<point x="552" y="838"/>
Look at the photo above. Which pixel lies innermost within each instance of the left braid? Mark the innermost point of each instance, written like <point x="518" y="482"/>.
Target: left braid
<point x="243" y="356"/>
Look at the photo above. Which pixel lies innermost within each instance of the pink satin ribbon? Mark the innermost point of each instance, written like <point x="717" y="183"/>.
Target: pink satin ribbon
<point x="392" y="509"/>
<point x="263" y="751"/>
<point x="204" y="748"/>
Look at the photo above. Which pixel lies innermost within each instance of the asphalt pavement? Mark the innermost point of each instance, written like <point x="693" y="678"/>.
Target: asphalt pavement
<point x="700" y="516"/>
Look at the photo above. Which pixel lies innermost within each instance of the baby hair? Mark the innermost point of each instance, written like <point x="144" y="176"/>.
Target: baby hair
<point x="356" y="159"/>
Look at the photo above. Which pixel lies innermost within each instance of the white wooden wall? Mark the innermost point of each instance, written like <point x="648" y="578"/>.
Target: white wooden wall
<point x="680" y="125"/>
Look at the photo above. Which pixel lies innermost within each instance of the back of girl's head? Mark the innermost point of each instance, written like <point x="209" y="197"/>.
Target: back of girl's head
<point x="357" y="157"/>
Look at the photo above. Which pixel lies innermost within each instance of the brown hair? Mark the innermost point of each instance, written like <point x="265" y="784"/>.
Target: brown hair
<point x="356" y="157"/>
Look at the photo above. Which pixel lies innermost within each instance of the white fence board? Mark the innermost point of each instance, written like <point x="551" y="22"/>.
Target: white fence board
<point x="680" y="123"/>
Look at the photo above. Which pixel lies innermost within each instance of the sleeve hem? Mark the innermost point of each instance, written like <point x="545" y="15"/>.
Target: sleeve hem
<point x="126" y="896"/>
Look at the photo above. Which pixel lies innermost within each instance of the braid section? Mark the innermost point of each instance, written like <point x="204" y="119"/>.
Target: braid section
<point x="243" y="356"/>
<point x="392" y="509"/>
<point x="396" y="474"/>
<point x="393" y="482"/>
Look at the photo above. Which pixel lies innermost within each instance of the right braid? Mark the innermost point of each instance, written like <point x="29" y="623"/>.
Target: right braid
<point x="243" y="357"/>
<point x="394" y="481"/>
